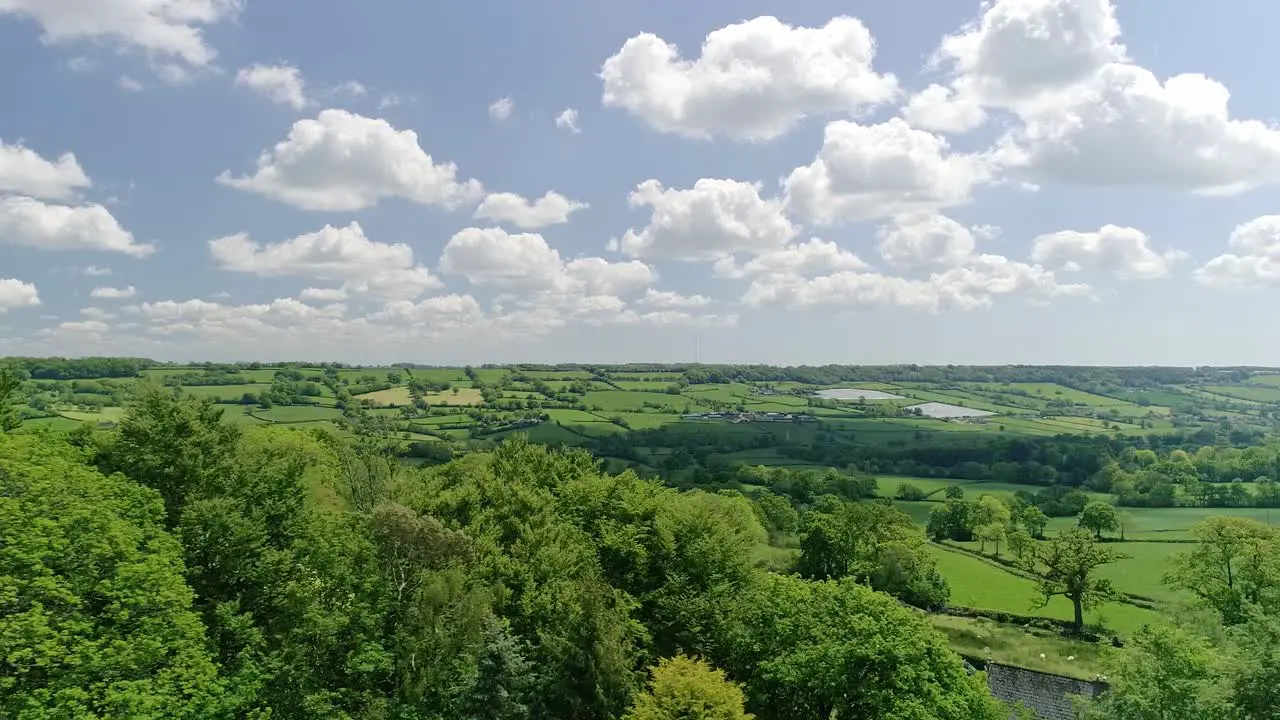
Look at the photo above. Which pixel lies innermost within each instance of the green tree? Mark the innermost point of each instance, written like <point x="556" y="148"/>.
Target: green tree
<point x="988" y="520"/>
<point x="1165" y="674"/>
<point x="810" y="650"/>
<point x="96" y="618"/>
<point x="688" y="689"/>
<point x="178" y="447"/>
<point x="1034" y="520"/>
<point x="10" y="381"/>
<point x="1099" y="517"/>
<point x="875" y="544"/>
<point x="1067" y="565"/>
<point x="1235" y="564"/>
<point x="1021" y="543"/>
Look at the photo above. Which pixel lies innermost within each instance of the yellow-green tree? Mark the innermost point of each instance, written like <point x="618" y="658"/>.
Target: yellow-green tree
<point x="689" y="689"/>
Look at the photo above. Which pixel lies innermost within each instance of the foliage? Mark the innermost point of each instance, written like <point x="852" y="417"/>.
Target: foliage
<point x="1166" y="674"/>
<point x="1235" y="565"/>
<point x="1067" y="565"/>
<point x="95" y="619"/>
<point x="806" y="650"/>
<point x="874" y="544"/>
<point x="688" y="689"/>
<point x="1099" y="517"/>
<point x="10" y="381"/>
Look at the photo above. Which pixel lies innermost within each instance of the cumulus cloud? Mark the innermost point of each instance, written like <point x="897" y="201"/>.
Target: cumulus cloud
<point x="23" y="171"/>
<point x="1128" y="128"/>
<point x="501" y="109"/>
<point x="167" y="31"/>
<point x="96" y="271"/>
<point x="331" y="253"/>
<point x="753" y="80"/>
<point x="1255" y="260"/>
<point x="870" y="171"/>
<point x="550" y="209"/>
<point x="29" y="222"/>
<point x="281" y="84"/>
<point x="671" y="299"/>
<point x="1124" y="252"/>
<point x="1084" y="112"/>
<point x="1020" y="51"/>
<point x="926" y="240"/>
<point x="809" y="257"/>
<point x="714" y="219"/>
<point x="15" y="294"/>
<point x="113" y="293"/>
<point x="567" y="120"/>
<point x="525" y="263"/>
<point x="341" y="161"/>
<point x="941" y="109"/>
<point x="962" y="288"/>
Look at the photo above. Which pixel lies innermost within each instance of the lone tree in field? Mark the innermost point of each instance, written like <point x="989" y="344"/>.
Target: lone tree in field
<point x="1067" y="565"/>
<point x="1098" y="517"/>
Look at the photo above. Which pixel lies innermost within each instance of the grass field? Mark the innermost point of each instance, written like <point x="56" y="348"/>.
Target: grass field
<point x="1020" y="646"/>
<point x="225" y="393"/>
<point x="985" y="585"/>
<point x="105" y="415"/>
<point x="395" y="396"/>
<point x="1269" y="395"/>
<point x="297" y="414"/>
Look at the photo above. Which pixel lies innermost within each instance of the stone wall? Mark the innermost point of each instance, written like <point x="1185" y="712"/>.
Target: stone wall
<point x="1046" y="694"/>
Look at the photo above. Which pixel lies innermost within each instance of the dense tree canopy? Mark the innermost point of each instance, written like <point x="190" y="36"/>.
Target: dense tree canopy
<point x="95" y="616"/>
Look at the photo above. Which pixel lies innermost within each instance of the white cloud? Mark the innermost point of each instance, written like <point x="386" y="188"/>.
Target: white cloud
<point x="805" y="258"/>
<point x="940" y="109"/>
<point x="323" y="294"/>
<point x="568" y="120"/>
<point x="962" y="288"/>
<point x="501" y="109"/>
<point x="162" y="29"/>
<point x="671" y="299"/>
<point x="1256" y="260"/>
<point x="927" y="240"/>
<point x="95" y="271"/>
<point x="1022" y="51"/>
<point x="113" y="293"/>
<point x="1124" y="252"/>
<point x="129" y="84"/>
<point x="22" y="170"/>
<point x="869" y="171"/>
<point x="17" y="294"/>
<point x="525" y="263"/>
<point x="714" y="219"/>
<point x="29" y="222"/>
<point x="1085" y="113"/>
<point x="96" y="313"/>
<point x="550" y="209"/>
<point x="1128" y="128"/>
<point x="341" y="161"/>
<point x="281" y="84"/>
<point x="83" y="327"/>
<point x="753" y="80"/>
<point x="330" y="253"/>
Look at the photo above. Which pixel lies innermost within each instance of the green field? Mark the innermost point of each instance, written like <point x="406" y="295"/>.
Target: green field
<point x="1269" y="395"/>
<point x="977" y="583"/>
<point x="297" y="414"/>
<point x="103" y="415"/>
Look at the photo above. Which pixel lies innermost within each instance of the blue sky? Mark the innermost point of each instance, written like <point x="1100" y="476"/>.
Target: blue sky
<point x="1025" y="181"/>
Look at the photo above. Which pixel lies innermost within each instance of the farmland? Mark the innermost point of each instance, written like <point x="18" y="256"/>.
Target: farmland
<point x="1037" y="435"/>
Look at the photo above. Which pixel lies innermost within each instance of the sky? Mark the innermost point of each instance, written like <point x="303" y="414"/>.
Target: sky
<point x="1017" y="181"/>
